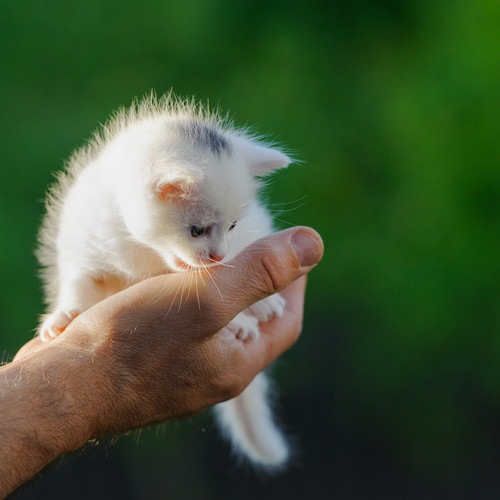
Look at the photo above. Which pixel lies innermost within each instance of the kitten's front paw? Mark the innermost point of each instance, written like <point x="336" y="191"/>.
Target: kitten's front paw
<point x="245" y="326"/>
<point x="267" y="308"/>
<point x="55" y="323"/>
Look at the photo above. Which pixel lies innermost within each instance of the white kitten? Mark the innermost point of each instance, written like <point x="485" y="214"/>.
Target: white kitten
<point x="165" y="187"/>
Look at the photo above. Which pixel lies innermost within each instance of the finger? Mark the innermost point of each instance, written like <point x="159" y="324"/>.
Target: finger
<point x="280" y="334"/>
<point x="294" y="295"/>
<point x="265" y="267"/>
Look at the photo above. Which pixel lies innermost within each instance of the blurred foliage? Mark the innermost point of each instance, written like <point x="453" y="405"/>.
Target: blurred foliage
<point x="392" y="109"/>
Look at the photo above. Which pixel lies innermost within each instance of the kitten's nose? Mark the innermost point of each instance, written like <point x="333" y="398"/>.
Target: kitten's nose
<point x="216" y="257"/>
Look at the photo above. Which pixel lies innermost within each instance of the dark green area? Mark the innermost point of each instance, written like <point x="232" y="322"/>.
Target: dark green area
<point x="392" y="107"/>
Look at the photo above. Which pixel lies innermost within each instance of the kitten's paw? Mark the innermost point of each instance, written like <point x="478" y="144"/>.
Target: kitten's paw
<point x="267" y="308"/>
<point x="55" y="323"/>
<point x="245" y="326"/>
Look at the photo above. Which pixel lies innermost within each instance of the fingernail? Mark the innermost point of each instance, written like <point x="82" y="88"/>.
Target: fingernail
<point x="308" y="248"/>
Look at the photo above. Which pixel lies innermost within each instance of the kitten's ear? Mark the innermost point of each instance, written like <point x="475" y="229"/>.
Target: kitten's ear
<point x="175" y="190"/>
<point x="264" y="160"/>
<point x="178" y="186"/>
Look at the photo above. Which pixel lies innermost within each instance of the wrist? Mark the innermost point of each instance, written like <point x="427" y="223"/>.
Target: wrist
<point x="40" y="421"/>
<point x="58" y="414"/>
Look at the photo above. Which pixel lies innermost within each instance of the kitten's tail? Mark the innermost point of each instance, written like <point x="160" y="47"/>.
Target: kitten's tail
<point x="248" y="422"/>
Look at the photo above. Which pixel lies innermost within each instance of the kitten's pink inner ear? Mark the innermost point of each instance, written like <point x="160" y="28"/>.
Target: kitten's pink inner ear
<point x="170" y="191"/>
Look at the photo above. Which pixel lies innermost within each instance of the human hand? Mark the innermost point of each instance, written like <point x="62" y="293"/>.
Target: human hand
<point x="141" y="356"/>
<point x="149" y="353"/>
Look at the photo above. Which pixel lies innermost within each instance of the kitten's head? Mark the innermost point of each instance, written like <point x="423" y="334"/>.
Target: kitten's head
<point x="201" y="183"/>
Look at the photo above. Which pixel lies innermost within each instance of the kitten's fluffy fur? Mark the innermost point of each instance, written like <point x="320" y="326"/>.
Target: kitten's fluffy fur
<point x="158" y="190"/>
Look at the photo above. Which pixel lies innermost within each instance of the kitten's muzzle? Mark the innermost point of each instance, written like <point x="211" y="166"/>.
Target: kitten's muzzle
<point x="214" y="257"/>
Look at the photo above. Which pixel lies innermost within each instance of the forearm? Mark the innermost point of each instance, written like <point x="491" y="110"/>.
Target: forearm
<point x="40" y="418"/>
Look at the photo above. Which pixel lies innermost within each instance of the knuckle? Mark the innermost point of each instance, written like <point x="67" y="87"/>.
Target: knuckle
<point x="272" y="272"/>
<point x="231" y="388"/>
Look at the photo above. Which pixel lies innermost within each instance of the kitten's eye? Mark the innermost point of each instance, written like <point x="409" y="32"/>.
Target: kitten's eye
<point x="233" y="225"/>
<point x="197" y="231"/>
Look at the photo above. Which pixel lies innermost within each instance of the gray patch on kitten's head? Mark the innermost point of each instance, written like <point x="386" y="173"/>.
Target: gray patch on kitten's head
<point x="205" y="136"/>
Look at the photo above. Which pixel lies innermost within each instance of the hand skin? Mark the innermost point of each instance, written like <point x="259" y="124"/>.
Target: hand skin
<point x="135" y="359"/>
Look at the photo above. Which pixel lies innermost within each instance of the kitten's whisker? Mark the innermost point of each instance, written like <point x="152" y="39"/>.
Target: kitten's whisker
<point x="196" y="287"/>
<point x="190" y="284"/>
<point x="225" y="264"/>
<point x="285" y="210"/>
<point x="288" y="202"/>
<point x="244" y="204"/>
<point x="158" y="297"/>
<point x="166" y="289"/>
<point x="219" y="263"/>
<point x="171" y="303"/>
<point x="288" y="223"/>
<point x="209" y="274"/>
<point x="182" y="292"/>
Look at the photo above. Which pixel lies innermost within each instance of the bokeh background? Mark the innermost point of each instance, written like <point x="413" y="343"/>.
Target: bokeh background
<point x="392" y="106"/>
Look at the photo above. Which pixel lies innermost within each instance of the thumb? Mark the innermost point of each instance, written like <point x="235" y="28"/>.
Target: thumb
<point x="266" y="267"/>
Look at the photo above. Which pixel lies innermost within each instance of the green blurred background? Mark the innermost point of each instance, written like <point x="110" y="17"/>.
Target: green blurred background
<point x="392" y="106"/>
